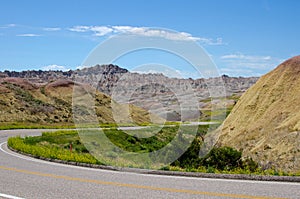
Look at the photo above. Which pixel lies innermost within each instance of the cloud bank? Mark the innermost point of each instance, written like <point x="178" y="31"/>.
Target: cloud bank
<point x="250" y="65"/>
<point x="144" y="31"/>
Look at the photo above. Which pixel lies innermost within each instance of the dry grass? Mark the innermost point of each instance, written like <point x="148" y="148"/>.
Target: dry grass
<point x="22" y="102"/>
<point x="265" y="122"/>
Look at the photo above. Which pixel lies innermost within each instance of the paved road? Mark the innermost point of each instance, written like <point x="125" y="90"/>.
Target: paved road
<point x="25" y="177"/>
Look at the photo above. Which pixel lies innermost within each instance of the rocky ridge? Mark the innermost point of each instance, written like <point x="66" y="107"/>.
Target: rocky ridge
<point x="161" y="95"/>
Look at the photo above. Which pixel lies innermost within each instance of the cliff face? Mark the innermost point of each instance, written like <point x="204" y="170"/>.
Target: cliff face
<point x="265" y="122"/>
<point x="154" y="92"/>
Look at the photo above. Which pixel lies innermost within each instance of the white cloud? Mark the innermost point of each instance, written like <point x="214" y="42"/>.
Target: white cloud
<point x="247" y="65"/>
<point x="51" y="29"/>
<point x="246" y="57"/>
<point x="101" y="30"/>
<point x="8" y="25"/>
<point x="11" y="25"/>
<point x="82" y="67"/>
<point x="234" y="72"/>
<point x="145" y="31"/>
<point x="29" y="35"/>
<point x="208" y="41"/>
<point x="168" y="73"/>
<point x="80" y="29"/>
<point x="55" y="67"/>
<point x="97" y="30"/>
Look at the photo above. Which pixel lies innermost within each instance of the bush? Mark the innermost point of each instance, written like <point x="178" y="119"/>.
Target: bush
<point x="223" y="158"/>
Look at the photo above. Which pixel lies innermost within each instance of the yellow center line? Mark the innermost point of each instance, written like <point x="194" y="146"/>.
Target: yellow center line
<point x="100" y="182"/>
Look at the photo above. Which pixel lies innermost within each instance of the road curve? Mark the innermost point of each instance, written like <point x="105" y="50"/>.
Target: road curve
<point x="24" y="177"/>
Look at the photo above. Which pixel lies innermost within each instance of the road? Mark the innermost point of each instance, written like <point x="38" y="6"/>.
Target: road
<point x="24" y="177"/>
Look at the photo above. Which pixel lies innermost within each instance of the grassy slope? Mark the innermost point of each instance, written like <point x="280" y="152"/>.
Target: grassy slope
<point x="218" y="109"/>
<point x="265" y="121"/>
<point x="25" y="105"/>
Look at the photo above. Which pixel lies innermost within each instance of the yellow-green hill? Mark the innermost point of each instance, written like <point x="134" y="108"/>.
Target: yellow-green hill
<point x="23" y="102"/>
<point x="265" y="123"/>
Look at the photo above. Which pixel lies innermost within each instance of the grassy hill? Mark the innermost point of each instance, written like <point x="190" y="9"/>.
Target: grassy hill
<point x="24" y="104"/>
<point x="265" y="123"/>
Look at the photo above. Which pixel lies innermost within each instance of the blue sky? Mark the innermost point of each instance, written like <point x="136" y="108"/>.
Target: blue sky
<point x="243" y="38"/>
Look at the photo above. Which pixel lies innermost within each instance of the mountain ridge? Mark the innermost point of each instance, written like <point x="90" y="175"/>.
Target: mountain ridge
<point x="154" y="92"/>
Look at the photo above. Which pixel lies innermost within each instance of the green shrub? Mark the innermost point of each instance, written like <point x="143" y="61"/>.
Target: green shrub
<point x="224" y="158"/>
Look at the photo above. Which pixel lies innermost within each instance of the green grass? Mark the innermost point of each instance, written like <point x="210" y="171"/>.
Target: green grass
<point x="56" y="145"/>
<point x="27" y="125"/>
<point x="133" y="143"/>
<point x="219" y="114"/>
<point x="60" y="142"/>
<point x="48" y="149"/>
<point x="202" y="169"/>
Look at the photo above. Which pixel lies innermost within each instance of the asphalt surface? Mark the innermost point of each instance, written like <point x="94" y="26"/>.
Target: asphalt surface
<point x="24" y="177"/>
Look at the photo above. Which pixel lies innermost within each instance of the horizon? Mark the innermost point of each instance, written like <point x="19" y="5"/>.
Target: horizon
<point x="246" y="39"/>
<point x="138" y="72"/>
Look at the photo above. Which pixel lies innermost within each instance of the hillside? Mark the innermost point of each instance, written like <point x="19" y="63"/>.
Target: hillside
<point x="154" y="92"/>
<point x="265" y="123"/>
<point x="22" y="101"/>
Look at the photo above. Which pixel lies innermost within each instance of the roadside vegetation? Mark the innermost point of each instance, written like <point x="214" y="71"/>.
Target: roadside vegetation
<point x="53" y="145"/>
<point x="27" y="125"/>
<point x="58" y="145"/>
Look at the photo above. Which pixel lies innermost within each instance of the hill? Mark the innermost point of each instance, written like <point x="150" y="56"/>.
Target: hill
<point x="24" y="102"/>
<point x="154" y="92"/>
<point x="265" y="122"/>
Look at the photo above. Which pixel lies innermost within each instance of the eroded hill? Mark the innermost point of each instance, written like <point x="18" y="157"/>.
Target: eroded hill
<point x="22" y="101"/>
<point x="155" y="92"/>
<point x="265" y="123"/>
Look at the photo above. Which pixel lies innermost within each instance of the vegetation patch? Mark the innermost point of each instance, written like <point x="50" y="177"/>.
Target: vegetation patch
<point x="67" y="145"/>
<point x="34" y="125"/>
<point x="55" y="146"/>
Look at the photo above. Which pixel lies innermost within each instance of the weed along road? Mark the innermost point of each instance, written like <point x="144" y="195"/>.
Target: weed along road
<point x="24" y="177"/>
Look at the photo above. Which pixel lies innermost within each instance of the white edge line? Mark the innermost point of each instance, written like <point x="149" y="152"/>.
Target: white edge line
<point x="15" y="155"/>
<point x="141" y="174"/>
<point x="9" y="196"/>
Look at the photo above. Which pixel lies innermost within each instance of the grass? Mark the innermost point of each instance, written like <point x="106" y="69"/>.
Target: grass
<point x="28" y="125"/>
<point x="56" y="145"/>
<point x="45" y="149"/>
<point x="60" y="142"/>
<point x="202" y="169"/>
<point x="220" y="111"/>
<point x="129" y="142"/>
<point x="28" y="106"/>
<point x="34" y="125"/>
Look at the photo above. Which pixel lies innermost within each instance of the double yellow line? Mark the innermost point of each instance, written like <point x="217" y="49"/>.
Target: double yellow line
<point x="135" y="186"/>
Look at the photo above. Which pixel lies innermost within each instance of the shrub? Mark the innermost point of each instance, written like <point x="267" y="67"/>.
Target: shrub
<point x="223" y="158"/>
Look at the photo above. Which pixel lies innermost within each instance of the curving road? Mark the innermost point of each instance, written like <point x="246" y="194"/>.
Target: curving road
<point x="24" y="177"/>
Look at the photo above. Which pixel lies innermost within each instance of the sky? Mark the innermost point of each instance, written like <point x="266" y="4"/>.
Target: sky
<point x="242" y="38"/>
